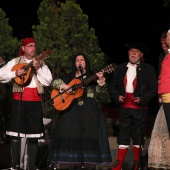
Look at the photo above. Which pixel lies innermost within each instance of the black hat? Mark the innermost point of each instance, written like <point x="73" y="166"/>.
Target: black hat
<point x="137" y="45"/>
<point x="164" y="35"/>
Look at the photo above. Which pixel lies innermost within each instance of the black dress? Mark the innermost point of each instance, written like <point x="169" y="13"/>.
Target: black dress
<point x="80" y="134"/>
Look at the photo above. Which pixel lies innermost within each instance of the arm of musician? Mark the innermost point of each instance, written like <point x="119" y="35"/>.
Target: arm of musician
<point x="121" y="99"/>
<point x="101" y="78"/>
<point x="56" y="84"/>
<point x="65" y="87"/>
<point x="6" y="75"/>
<point x="137" y="99"/>
<point x="60" y="85"/>
<point x="44" y="75"/>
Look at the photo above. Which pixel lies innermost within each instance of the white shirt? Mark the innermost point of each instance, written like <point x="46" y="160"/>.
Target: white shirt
<point x="130" y="74"/>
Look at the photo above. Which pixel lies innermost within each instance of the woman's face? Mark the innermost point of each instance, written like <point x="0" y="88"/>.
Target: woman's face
<point x="80" y="62"/>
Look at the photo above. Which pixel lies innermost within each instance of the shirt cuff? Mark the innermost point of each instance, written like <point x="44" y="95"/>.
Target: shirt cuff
<point x="101" y="84"/>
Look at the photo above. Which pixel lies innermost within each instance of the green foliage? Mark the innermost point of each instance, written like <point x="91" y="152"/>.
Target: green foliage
<point x="9" y="44"/>
<point x="64" y="30"/>
<point x="8" y="48"/>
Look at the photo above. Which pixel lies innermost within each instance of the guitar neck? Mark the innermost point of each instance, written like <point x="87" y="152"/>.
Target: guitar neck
<point x="89" y="79"/>
<point x="85" y="82"/>
<point x="107" y="69"/>
<point x="40" y="57"/>
<point x="28" y="66"/>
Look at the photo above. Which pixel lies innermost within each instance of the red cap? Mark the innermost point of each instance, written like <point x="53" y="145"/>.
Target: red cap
<point x="24" y="43"/>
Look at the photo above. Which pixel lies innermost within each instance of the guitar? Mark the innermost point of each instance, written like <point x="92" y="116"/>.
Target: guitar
<point x="62" y="100"/>
<point x="26" y="77"/>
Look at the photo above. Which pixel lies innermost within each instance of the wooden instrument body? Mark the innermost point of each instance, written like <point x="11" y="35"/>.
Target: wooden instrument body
<point x="25" y="79"/>
<point x="28" y="67"/>
<point x="62" y="100"/>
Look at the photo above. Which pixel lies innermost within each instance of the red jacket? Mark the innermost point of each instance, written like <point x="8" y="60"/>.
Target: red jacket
<point x="164" y="77"/>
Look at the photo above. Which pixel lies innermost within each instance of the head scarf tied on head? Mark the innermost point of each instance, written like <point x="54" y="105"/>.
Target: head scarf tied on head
<point x="24" y="43"/>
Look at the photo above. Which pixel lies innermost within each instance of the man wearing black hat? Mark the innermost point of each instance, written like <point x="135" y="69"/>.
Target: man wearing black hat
<point x="132" y="85"/>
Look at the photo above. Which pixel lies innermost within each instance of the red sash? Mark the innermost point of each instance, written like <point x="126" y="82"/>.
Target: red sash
<point x="29" y="94"/>
<point x="129" y="102"/>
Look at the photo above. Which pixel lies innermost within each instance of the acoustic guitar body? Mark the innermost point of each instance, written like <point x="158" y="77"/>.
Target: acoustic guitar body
<point x="63" y="100"/>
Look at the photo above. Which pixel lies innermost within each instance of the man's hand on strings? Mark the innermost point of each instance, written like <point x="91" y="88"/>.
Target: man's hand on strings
<point x="100" y="75"/>
<point x="36" y="64"/>
<point x="101" y="78"/>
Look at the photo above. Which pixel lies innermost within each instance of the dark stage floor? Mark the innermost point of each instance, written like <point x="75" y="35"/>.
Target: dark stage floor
<point x="5" y="158"/>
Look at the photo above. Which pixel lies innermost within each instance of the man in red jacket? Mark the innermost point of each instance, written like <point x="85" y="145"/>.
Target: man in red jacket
<point x="164" y="83"/>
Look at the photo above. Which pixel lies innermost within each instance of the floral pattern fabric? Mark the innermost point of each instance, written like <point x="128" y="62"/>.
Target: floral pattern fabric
<point x="159" y="147"/>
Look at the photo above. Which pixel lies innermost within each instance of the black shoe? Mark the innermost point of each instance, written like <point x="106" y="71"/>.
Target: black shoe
<point x="15" y="168"/>
<point x="50" y="166"/>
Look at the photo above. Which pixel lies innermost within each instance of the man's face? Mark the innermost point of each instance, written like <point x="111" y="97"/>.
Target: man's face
<point x="168" y="39"/>
<point x="29" y="49"/>
<point x="134" y="55"/>
<point x="164" y="45"/>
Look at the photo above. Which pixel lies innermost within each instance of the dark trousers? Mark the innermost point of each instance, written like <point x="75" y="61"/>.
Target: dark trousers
<point x="131" y="125"/>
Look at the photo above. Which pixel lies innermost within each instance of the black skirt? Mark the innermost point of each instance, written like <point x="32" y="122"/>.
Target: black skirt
<point x="80" y="136"/>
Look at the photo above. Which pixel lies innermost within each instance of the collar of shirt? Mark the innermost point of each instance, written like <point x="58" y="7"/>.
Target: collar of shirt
<point x="130" y="65"/>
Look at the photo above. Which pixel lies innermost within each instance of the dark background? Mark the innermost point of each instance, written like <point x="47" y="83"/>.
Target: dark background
<point x="116" y="22"/>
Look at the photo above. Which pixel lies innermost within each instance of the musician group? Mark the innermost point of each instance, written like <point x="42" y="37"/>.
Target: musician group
<point x="80" y="139"/>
